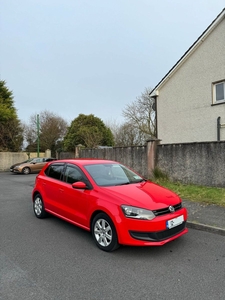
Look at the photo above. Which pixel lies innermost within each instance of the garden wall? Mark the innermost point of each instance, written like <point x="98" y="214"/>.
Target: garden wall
<point x="8" y="159"/>
<point x="198" y="163"/>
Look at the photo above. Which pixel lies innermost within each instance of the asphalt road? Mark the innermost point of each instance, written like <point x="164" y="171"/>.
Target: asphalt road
<point x="51" y="259"/>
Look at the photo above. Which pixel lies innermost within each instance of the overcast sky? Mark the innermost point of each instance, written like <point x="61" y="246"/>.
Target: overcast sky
<point x="93" y="56"/>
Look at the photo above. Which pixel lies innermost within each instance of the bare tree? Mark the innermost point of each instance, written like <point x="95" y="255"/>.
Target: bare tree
<point x="126" y="134"/>
<point x="141" y="114"/>
<point x="52" y="129"/>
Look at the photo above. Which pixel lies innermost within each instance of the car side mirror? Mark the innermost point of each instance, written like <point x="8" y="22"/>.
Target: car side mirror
<point x="79" y="185"/>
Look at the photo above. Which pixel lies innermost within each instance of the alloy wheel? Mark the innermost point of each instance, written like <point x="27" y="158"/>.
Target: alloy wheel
<point x="103" y="232"/>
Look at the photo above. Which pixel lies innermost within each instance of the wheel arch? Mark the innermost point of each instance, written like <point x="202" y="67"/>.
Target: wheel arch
<point x="115" y="218"/>
<point x="26" y="167"/>
<point x="35" y="193"/>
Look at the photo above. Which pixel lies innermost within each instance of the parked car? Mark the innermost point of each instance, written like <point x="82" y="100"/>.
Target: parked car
<point x="33" y="166"/>
<point x="17" y="164"/>
<point x="114" y="203"/>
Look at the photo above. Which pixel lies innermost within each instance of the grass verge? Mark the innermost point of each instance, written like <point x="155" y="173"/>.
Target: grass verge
<point x="203" y="194"/>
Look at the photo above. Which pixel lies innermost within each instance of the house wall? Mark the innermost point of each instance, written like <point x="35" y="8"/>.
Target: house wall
<point x="184" y="105"/>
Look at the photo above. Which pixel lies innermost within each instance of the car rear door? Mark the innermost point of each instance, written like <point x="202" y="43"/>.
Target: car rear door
<point x="51" y="187"/>
<point x="75" y="202"/>
<point x="38" y="164"/>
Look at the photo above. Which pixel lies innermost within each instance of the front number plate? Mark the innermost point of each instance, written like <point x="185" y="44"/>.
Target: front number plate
<point x="174" y="222"/>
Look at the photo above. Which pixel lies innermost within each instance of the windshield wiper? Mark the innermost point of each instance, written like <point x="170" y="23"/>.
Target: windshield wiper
<point x="141" y="180"/>
<point x="124" y="183"/>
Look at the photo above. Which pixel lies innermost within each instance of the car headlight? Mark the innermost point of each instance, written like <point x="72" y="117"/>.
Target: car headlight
<point x="137" y="213"/>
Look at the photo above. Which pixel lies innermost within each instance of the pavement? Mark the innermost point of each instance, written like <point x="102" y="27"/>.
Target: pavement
<point x="206" y="217"/>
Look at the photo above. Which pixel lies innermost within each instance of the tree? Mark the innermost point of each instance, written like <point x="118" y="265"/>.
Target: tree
<point x="11" y="131"/>
<point x="52" y="129"/>
<point x="126" y="135"/>
<point x="89" y="131"/>
<point x="141" y="114"/>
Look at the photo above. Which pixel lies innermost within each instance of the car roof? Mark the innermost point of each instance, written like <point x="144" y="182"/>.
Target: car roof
<point x="86" y="161"/>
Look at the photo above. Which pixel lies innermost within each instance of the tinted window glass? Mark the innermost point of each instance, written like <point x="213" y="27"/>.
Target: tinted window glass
<point x="73" y="174"/>
<point x="55" y="171"/>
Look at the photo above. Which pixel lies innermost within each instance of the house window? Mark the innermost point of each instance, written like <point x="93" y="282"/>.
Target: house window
<point x="219" y="92"/>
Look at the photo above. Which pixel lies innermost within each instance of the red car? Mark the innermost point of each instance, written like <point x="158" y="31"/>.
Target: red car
<point x="116" y="204"/>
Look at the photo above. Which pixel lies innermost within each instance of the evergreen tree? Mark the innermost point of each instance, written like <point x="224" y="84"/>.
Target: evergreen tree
<point x="11" y="132"/>
<point x="88" y="131"/>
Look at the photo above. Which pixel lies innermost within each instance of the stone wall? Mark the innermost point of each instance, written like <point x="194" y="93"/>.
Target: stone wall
<point x="197" y="163"/>
<point x="139" y="158"/>
<point x="8" y="159"/>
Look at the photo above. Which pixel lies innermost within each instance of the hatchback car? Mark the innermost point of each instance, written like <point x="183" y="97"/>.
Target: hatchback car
<point x="114" y="203"/>
<point x="32" y="166"/>
<point x="20" y="163"/>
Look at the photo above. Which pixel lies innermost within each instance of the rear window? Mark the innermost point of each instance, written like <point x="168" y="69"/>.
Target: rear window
<point x="55" y="171"/>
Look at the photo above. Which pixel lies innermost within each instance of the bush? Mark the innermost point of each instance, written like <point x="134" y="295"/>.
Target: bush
<point x="159" y="174"/>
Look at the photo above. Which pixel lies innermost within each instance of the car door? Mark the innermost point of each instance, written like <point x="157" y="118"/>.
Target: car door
<point x="51" y="187"/>
<point x="75" y="201"/>
<point x="37" y="164"/>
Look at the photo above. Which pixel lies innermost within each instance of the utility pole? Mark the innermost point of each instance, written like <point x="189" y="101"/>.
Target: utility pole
<point x="38" y="142"/>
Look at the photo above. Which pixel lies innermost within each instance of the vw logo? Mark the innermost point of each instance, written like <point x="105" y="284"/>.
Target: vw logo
<point x="171" y="209"/>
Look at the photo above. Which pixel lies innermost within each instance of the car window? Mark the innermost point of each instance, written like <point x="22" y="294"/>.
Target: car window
<point x="49" y="159"/>
<point x="55" y="171"/>
<point x="73" y="174"/>
<point x="37" y="160"/>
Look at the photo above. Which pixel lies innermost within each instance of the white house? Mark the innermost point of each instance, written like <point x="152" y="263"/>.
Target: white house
<point x="190" y="98"/>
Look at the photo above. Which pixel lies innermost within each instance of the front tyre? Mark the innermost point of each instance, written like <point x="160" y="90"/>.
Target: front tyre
<point x="38" y="206"/>
<point x="26" y="171"/>
<point x="104" y="233"/>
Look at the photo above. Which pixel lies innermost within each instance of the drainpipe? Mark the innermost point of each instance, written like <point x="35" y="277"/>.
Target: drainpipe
<point x="219" y="125"/>
<point x="156" y="118"/>
<point x="156" y="115"/>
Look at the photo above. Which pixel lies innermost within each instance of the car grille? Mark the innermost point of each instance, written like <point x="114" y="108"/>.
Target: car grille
<point x="158" y="236"/>
<point x="164" y="211"/>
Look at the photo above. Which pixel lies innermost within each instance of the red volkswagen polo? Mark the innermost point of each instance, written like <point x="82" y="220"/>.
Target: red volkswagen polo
<point x="116" y="204"/>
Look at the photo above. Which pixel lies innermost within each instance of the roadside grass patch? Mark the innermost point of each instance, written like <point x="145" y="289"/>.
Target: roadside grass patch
<point x="202" y="194"/>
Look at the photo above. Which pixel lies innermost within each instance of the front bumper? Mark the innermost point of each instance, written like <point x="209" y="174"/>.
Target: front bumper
<point x="158" y="236"/>
<point x="151" y="233"/>
<point x="16" y="171"/>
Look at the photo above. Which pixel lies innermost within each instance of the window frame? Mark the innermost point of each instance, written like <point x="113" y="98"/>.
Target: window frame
<point x="214" y="84"/>
<point x="51" y="166"/>
<point x="73" y="166"/>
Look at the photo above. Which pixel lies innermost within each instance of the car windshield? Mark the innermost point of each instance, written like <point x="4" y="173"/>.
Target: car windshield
<point x="112" y="174"/>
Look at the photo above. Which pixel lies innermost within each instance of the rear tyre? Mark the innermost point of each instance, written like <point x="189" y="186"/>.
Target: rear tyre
<point x="104" y="233"/>
<point x="38" y="206"/>
<point x="26" y="171"/>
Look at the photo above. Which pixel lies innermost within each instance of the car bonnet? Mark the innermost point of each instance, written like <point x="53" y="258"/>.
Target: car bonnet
<point x="147" y="195"/>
